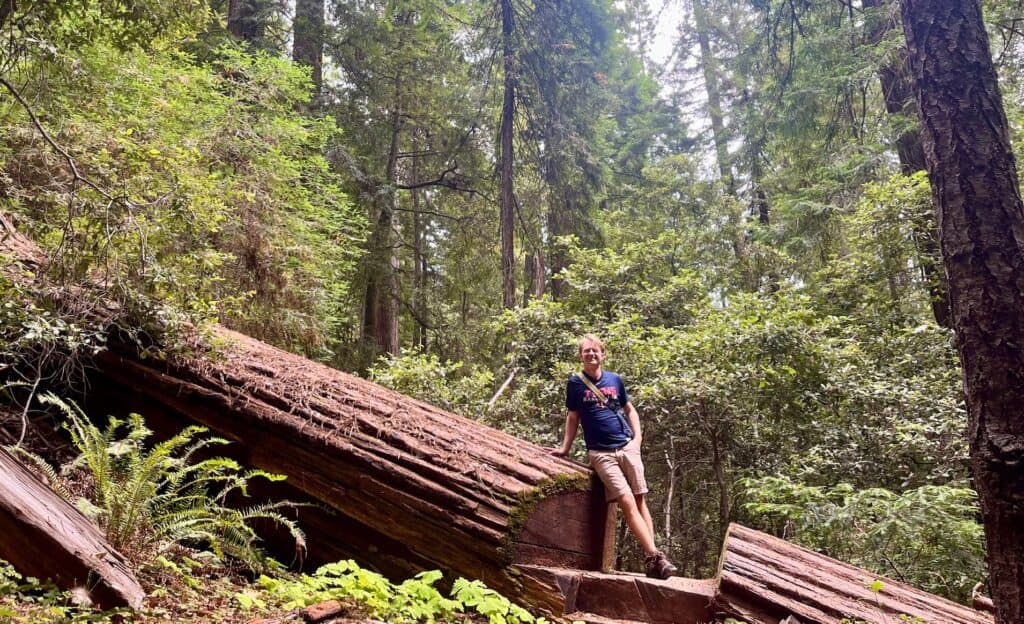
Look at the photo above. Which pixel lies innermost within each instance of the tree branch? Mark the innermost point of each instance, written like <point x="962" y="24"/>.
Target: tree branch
<point x="441" y="180"/>
<point x="78" y="177"/>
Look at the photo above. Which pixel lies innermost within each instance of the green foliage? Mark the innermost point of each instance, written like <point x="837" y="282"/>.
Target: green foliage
<point x="454" y="386"/>
<point x="414" y="600"/>
<point x="150" y="500"/>
<point x="26" y="600"/>
<point x="927" y="536"/>
<point x="212" y="165"/>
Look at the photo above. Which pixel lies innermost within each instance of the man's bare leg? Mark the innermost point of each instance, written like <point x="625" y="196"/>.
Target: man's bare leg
<point x="641" y="505"/>
<point x="637" y="523"/>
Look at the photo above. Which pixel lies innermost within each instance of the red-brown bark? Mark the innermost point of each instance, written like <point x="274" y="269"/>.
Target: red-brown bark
<point x="981" y="223"/>
<point x="46" y="537"/>
<point x="763" y="579"/>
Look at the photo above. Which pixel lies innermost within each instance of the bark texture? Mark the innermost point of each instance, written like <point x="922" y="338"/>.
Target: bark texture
<point x="445" y="490"/>
<point x="981" y="223"/>
<point x="508" y="108"/>
<point x="46" y="537"/>
<point x="764" y="579"/>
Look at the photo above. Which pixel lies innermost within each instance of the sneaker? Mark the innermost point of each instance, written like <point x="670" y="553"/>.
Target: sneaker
<point x="658" y="566"/>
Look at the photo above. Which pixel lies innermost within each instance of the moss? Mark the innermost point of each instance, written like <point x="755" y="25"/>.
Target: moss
<point x="528" y="501"/>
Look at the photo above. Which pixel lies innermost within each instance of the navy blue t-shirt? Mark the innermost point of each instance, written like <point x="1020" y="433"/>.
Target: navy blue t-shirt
<point x="603" y="429"/>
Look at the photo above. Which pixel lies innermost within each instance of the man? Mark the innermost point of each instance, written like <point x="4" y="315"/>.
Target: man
<point x="597" y="399"/>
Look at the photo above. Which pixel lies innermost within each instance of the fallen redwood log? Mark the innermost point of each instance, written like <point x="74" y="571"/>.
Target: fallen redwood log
<point x="764" y="579"/>
<point x="46" y="537"/>
<point x="408" y="480"/>
<point x="459" y="495"/>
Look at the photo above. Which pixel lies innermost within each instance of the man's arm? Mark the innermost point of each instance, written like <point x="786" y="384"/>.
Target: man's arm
<point x="634" y="422"/>
<point x="572" y="423"/>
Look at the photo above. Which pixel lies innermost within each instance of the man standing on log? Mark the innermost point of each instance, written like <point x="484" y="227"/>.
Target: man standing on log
<point x="611" y="429"/>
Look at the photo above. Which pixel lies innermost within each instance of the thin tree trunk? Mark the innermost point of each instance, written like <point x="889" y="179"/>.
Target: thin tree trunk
<point x="508" y="259"/>
<point x="419" y="266"/>
<point x="530" y="274"/>
<point x="898" y="95"/>
<point x="718" y="465"/>
<point x="981" y="224"/>
<point x="673" y="475"/>
<point x="709" y="68"/>
<point x="308" y="38"/>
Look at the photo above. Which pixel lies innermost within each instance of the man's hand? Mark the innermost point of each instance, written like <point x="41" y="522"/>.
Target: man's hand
<point x="558" y="451"/>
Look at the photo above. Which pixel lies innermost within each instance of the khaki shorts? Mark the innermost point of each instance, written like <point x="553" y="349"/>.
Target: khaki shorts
<point x="621" y="471"/>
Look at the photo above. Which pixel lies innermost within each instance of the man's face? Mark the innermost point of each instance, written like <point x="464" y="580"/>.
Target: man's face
<point x="591" y="353"/>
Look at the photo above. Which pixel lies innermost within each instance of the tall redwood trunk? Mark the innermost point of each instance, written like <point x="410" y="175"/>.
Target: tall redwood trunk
<point x="508" y="258"/>
<point x="709" y="69"/>
<point x="308" y="37"/>
<point x="897" y="93"/>
<point x="981" y="226"/>
<point x="380" y="313"/>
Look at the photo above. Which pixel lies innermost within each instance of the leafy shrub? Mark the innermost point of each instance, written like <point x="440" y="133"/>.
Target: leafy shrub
<point x="452" y="386"/>
<point x="414" y="600"/>
<point x="150" y="500"/>
<point x="928" y="536"/>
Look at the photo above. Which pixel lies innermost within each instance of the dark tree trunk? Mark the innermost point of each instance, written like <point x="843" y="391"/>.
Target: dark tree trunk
<point x="244" y="20"/>
<point x="897" y="92"/>
<point x="981" y="225"/>
<point x="308" y="37"/>
<point x="760" y="201"/>
<point x="508" y="257"/>
<point x="7" y="7"/>
<point x="709" y="69"/>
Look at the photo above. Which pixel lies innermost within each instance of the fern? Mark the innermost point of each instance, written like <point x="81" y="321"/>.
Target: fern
<point x="150" y="499"/>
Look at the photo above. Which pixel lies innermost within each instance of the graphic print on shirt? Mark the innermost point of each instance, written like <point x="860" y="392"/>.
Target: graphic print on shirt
<point x="603" y="427"/>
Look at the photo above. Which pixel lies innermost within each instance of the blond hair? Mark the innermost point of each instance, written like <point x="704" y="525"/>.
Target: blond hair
<point x="592" y="338"/>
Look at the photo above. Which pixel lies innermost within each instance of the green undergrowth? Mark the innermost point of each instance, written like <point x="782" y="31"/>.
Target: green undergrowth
<point x="191" y="596"/>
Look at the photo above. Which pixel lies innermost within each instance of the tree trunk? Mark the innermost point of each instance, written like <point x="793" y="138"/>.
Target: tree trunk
<point x="709" y="68"/>
<point x="981" y="225"/>
<point x="508" y="257"/>
<point x="763" y="579"/>
<point x="46" y="537"/>
<point x="244" y="20"/>
<point x="308" y="38"/>
<point x="898" y="95"/>
<point x="7" y="7"/>
<point x="380" y="312"/>
<point x="560" y="223"/>
<point x="419" y="266"/>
